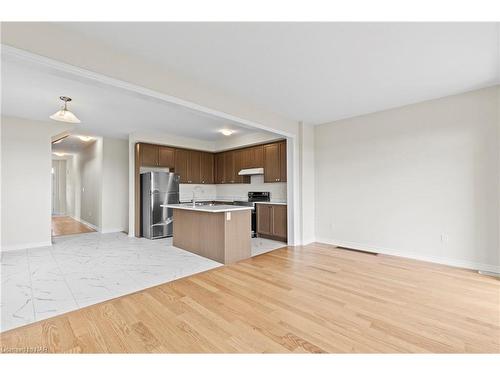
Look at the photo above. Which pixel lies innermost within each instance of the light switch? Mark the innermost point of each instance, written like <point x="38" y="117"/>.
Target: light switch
<point x="228" y="216"/>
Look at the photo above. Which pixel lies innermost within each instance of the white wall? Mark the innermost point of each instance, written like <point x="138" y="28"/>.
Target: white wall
<point x="58" y="187"/>
<point x="114" y="210"/>
<point x="90" y="169"/>
<point x="26" y="182"/>
<point x="421" y="181"/>
<point x="73" y="195"/>
<point x="98" y="182"/>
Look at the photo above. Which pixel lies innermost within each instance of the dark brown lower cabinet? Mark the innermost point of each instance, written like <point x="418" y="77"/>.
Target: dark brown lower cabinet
<point x="272" y="221"/>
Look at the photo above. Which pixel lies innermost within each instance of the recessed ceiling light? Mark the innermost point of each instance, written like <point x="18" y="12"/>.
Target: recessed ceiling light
<point x="227" y="132"/>
<point x="85" y="138"/>
<point x="63" y="114"/>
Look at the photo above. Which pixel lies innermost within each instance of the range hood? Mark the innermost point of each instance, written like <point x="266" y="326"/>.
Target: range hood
<point x="251" y="171"/>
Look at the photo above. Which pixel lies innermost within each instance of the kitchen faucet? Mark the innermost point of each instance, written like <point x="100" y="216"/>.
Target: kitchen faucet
<point x="194" y="195"/>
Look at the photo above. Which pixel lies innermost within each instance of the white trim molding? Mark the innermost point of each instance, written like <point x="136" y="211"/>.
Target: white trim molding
<point x="426" y="258"/>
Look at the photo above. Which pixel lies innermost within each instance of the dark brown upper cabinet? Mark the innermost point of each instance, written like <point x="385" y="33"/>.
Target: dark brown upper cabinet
<point x="240" y="157"/>
<point x="283" y="164"/>
<point x="275" y="162"/>
<point x="229" y="176"/>
<point x="252" y="157"/>
<point x="271" y="162"/>
<point x="166" y="157"/>
<point x="199" y="167"/>
<point x="219" y="163"/>
<point x="149" y="155"/>
<point x="156" y="156"/>
<point x="194" y="167"/>
<point x="188" y="166"/>
<point x="181" y="164"/>
<point x="207" y="168"/>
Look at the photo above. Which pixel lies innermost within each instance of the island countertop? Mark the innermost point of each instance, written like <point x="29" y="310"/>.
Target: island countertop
<point x="207" y="208"/>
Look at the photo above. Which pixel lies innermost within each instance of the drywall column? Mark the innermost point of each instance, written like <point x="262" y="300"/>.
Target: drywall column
<point x="26" y="182"/>
<point x="90" y="169"/>
<point x="114" y="208"/>
<point x="308" y="183"/>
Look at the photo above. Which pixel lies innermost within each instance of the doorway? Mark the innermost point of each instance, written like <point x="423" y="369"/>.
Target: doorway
<point x="63" y="219"/>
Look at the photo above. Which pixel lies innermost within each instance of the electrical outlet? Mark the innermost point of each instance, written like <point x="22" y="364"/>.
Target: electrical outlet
<point x="444" y="238"/>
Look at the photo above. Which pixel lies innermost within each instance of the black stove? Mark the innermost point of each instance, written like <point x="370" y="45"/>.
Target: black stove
<point x="254" y="196"/>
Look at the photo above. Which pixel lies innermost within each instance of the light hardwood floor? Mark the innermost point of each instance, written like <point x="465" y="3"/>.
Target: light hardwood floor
<point x="305" y="299"/>
<point x="64" y="225"/>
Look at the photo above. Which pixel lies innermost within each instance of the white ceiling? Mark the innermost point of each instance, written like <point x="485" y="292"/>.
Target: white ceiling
<point x="317" y="72"/>
<point x="29" y="91"/>
<point x="72" y="144"/>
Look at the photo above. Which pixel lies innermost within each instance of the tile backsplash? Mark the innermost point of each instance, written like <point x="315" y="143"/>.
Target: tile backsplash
<point x="233" y="191"/>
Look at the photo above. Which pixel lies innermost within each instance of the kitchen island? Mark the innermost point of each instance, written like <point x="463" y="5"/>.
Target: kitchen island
<point x="219" y="232"/>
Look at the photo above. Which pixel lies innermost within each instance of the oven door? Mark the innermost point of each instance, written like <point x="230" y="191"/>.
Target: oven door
<point x="254" y="223"/>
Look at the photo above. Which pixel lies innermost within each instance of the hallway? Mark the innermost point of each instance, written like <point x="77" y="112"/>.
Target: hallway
<point x="64" y="225"/>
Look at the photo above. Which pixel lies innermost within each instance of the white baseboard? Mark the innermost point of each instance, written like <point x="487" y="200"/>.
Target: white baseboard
<point x="307" y="241"/>
<point x="427" y="258"/>
<point x="28" y="245"/>
<point x="112" y="230"/>
<point x="94" y="227"/>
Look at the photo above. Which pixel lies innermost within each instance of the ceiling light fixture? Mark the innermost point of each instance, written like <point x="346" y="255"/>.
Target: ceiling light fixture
<point x="227" y="132"/>
<point x="63" y="114"/>
<point x="85" y="138"/>
<point x="59" y="153"/>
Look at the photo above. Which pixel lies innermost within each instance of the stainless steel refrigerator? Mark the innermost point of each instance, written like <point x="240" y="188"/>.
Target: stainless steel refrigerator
<point x="158" y="188"/>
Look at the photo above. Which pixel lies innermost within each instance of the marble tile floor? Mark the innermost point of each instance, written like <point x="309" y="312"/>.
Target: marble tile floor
<point x="82" y="270"/>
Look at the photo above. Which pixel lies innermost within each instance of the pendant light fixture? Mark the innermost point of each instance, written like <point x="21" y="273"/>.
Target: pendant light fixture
<point x="64" y="114"/>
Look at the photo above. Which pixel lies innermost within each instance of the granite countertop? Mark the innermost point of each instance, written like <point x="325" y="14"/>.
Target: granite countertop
<point x="207" y="208"/>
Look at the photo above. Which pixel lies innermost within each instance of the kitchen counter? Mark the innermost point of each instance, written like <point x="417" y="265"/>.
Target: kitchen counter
<point x="219" y="232"/>
<point x="277" y="203"/>
<point x="207" y="208"/>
